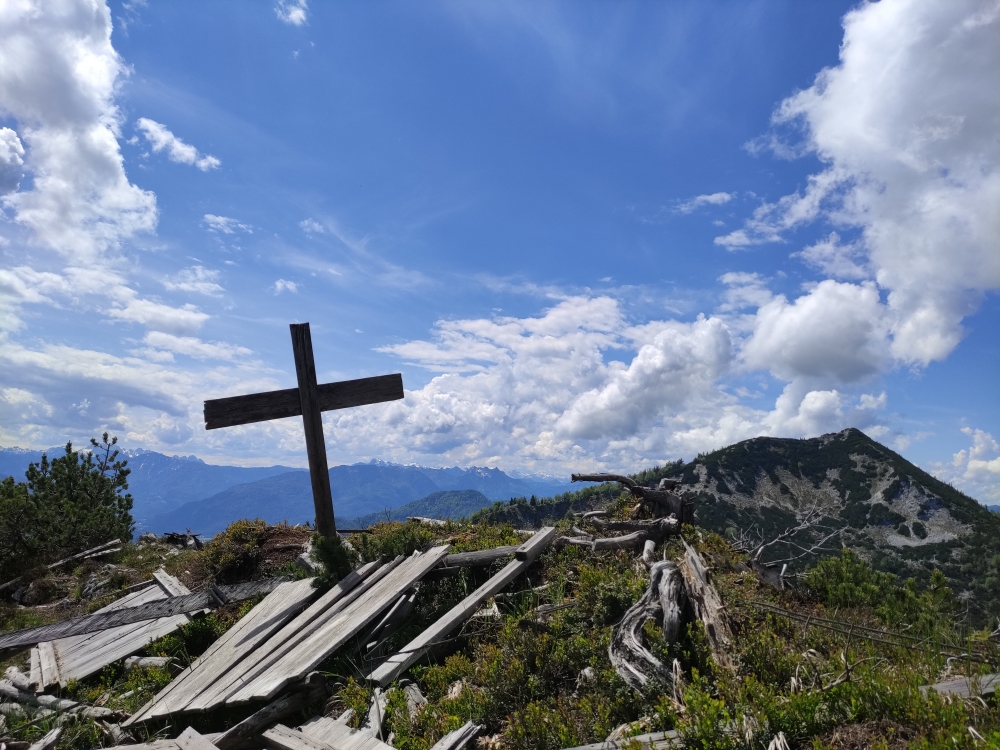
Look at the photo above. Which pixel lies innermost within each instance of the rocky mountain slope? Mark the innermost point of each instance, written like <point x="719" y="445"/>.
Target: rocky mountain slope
<point x="843" y="487"/>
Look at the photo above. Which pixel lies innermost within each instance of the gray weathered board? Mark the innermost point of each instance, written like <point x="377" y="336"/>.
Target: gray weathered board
<point x="255" y="627"/>
<point x="524" y="556"/>
<point x="335" y="632"/>
<point x="152" y="610"/>
<point x="262" y="407"/>
<point x="652" y="741"/>
<point x="270" y="648"/>
<point x="59" y="661"/>
<point x="322" y="736"/>
<point x="967" y="686"/>
<point x="276" y="644"/>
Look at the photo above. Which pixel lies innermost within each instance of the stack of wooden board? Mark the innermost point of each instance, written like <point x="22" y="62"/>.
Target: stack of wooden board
<point x="269" y="648"/>
<point x="57" y="662"/>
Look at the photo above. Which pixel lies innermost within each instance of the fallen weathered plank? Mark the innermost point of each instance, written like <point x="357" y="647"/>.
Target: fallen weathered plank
<point x="652" y="741"/>
<point x="164" y="744"/>
<point x="967" y="687"/>
<point x="334" y="735"/>
<point x="79" y="656"/>
<point x="354" y="585"/>
<point x="255" y="627"/>
<point x="48" y="741"/>
<point x="322" y="735"/>
<point x="480" y="557"/>
<point x="336" y="632"/>
<point x="458" y="738"/>
<point x="189" y="739"/>
<point x="400" y="662"/>
<point x="153" y="610"/>
<point x="247" y="732"/>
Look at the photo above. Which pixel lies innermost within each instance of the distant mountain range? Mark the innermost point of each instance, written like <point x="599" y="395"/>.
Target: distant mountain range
<point x="445" y="504"/>
<point x="173" y="493"/>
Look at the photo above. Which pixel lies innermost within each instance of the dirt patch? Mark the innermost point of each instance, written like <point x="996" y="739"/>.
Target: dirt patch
<point x="283" y="545"/>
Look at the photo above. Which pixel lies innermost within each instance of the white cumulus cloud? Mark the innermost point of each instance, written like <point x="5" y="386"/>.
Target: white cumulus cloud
<point x="906" y="126"/>
<point x="11" y="161"/>
<point x="976" y="469"/>
<point x="57" y="80"/>
<point x="837" y="331"/>
<point x="283" y="285"/>
<point x="161" y="139"/>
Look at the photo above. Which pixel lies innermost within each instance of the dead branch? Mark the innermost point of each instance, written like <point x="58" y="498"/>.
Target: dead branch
<point x="633" y="662"/>
<point x="707" y="605"/>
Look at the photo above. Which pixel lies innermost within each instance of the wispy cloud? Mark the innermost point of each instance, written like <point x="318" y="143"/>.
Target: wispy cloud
<point x="283" y="285"/>
<point x="197" y="279"/>
<point x="710" y="199"/>
<point x="225" y="224"/>
<point x="294" y="12"/>
<point x="161" y="139"/>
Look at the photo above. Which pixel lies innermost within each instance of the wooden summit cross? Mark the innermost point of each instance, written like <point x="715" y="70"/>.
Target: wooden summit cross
<point x="309" y="400"/>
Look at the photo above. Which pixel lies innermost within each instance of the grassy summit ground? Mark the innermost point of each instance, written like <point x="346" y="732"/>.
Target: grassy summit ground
<point x="540" y="679"/>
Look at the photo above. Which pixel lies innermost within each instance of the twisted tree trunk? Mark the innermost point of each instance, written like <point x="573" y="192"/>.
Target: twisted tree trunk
<point x="663" y="598"/>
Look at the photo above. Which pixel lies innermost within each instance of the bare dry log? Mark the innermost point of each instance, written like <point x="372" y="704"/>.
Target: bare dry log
<point x="662" y="497"/>
<point x="459" y="738"/>
<point x="633" y="662"/>
<point x="707" y="605"/>
<point x="649" y="553"/>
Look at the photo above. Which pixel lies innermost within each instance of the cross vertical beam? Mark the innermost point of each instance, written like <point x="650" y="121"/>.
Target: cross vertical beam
<point x="312" y="422"/>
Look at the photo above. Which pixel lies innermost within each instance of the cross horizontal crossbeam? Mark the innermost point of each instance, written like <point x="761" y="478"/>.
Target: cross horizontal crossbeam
<point x="261" y="407"/>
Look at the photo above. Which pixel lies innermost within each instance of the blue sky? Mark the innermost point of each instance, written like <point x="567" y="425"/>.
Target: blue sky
<point x="590" y="235"/>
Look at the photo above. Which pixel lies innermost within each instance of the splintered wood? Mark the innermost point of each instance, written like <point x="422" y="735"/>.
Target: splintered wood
<point x="279" y="642"/>
<point x="401" y="661"/>
<point x="73" y="658"/>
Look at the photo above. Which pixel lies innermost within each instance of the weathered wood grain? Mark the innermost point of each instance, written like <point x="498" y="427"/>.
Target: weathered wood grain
<point x="79" y="656"/>
<point x="238" y="642"/>
<point x="225" y="683"/>
<point x="312" y="424"/>
<point x="189" y="739"/>
<point x="335" y="632"/>
<point x="400" y="662"/>
<point x="481" y="557"/>
<point x="261" y="407"/>
<point x="707" y="605"/>
<point x="459" y="738"/>
<point x="153" y="610"/>
<point x="49" y="741"/>
<point x="247" y="732"/>
<point x="967" y="687"/>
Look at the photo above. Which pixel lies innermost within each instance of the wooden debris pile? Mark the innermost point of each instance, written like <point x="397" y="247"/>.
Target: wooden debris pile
<point x="267" y="660"/>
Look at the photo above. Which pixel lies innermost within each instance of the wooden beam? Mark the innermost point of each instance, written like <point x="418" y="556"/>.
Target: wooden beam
<point x="312" y="423"/>
<point x="189" y="739"/>
<point x="261" y="407"/>
<point x="400" y="662"/>
<point x="480" y="557"/>
<point x="335" y="632"/>
<point x="154" y="610"/>
<point x="967" y="687"/>
<point x="237" y="643"/>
